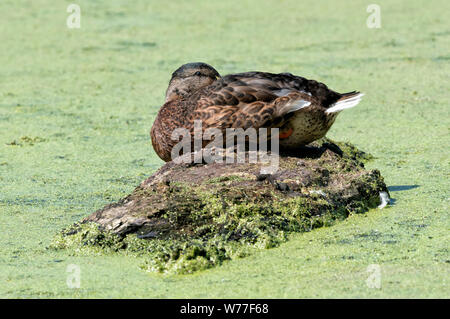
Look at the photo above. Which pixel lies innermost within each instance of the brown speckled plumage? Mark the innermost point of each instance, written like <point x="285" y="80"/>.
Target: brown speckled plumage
<point x="252" y="99"/>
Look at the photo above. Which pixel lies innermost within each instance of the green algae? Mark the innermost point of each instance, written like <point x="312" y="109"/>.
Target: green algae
<point x="26" y="141"/>
<point x="402" y="120"/>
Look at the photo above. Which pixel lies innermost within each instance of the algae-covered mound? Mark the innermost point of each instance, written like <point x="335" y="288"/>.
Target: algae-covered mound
<point x="187" y="217"/>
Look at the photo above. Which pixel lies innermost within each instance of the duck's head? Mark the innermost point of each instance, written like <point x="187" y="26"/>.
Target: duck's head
<point x="189" y="78"/>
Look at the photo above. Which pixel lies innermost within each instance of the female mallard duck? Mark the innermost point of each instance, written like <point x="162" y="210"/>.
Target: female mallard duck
<point x="302" y="109"/>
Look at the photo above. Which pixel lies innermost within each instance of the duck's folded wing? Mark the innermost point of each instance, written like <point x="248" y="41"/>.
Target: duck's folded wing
<point x="236" y="105"/>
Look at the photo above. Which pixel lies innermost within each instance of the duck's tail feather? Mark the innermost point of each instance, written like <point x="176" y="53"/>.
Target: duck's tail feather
<point x="347" y="101"/>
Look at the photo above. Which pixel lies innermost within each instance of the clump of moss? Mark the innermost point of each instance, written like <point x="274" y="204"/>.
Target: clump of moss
<point x="189" y="218"/>
<point x="27" y="141"/>
<point x="351" y="151"/>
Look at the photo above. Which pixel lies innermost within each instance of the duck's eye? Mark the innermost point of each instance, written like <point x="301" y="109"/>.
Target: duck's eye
<point x="198" y="73"/>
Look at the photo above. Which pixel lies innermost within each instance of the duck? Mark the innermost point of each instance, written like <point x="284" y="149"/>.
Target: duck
<point x="303" y="110"/>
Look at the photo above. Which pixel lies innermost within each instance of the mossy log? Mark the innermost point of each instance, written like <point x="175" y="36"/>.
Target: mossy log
<point x="187" y="217"/>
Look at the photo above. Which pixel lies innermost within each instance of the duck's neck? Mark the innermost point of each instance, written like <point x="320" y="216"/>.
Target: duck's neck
<point x="175" y="91"/>
<point x="176" y="109"/>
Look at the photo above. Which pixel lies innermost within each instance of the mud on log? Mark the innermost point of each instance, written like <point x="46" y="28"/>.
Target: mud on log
<point x="187" y="217"/>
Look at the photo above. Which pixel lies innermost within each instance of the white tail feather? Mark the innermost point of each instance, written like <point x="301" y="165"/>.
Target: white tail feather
<point x="296" y="105"/>
<point x="345" y="104"/>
